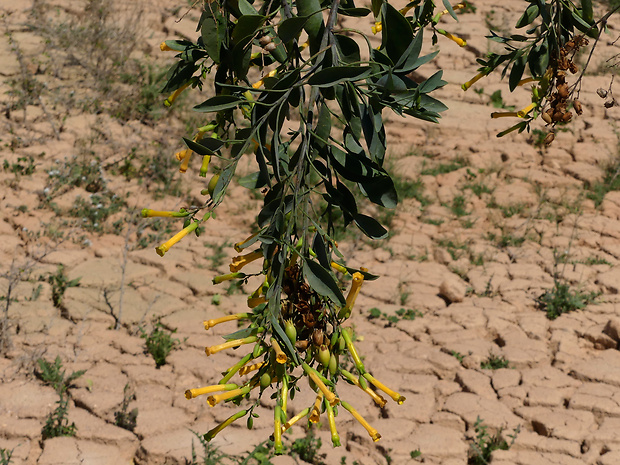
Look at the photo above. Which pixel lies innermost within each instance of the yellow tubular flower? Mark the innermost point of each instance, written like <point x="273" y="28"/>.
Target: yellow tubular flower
<point x="346" y="334"/>
<point x="170" y="100"/>
<point x="212" y="433"/>
<point x="339" y="267"/>
<point x="217" y="398"/>
<point x="277" y="430"/>
<point x="242" y="260"/>
<point x="456" y="39"/>
<point x="229" y="344"/>
<point x="305" y="45"/>
<point x="280" y="355"/>
<point x="332" y="424"/>
<point x="371" y="431"/>
<point x="237" y="366"/>
<point x="523" y="113"/>
<point x="256" y="301"/>
<point x="313" y="375"/>
<point x="380" y="401"/>
<point x="295" y="419"/>
<point x="526" y="80"/>
<point x="316" y="408"/>
<point x="250" y="368"/>
<point x="148" y="213"/>
<point x="164" y="47"/>
<point x="473" y="80"/>
<point x="504" y="114"/>
<point x="162" y="249"/>
<point x="239" y="245"/>
<point x="206" y="159"/>
<point x="192" y="393"/>
<point x="260" y="82"/>
<point x="356" y="284"/>
<point x="379" y="385"/>
<point x="227" y="277"/>
<point x="185" y="162"/>
<point x="237" y="316"/>
<point x="181" y="155"/>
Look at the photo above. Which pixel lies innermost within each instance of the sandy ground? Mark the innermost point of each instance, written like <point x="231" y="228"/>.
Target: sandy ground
<point x="473" y="273"/>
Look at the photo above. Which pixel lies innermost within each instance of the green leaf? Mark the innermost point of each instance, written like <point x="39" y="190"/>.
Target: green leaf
<point x="519" y="126"/>
<point x="247" y="25"/>
<point x="208" y="146"/>
<point x="397" y="32"/>
<point x="246" y="8"/>
<point x="223" y="181"/>
<point x="432" y="83"/>
<point x="323" y="126"/>
<point x="354" y="12"/>
<point x="407" y="61"/>
<point x="178" y="45"/>
<point x="323" y="282"/>
<point x="218" y="103"/>
<point x="213" y="31"/>
<point x="253" y="181"/>
<point x="381" y="191"/>
<point x="528" y="17"/>
<point x="331" y="76"/>
<point x="318" y="245"/>
<point x="348" y="49"/>
<point x="290" y="28"/>
<point x="517" y="72"/>
<point x="538" y="59"/>
<point x="446" y="3"/>
<point x="371" y="227"/>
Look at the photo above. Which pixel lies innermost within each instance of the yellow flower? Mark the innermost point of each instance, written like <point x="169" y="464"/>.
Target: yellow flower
<point x="206" y="159"/>
<point x="378" y="27"/>
<point x="277" y="430"/>
<point x="164" y="47"/>
<point x="332" y="424"/>
<point x="170" y="100"/>
<point x="212" y="433"/>
<point x="379" y="385"/>
<point x="229" y="344"/>
<point x="346" y="334"/>
<point x="526" y="80"/>
<point x="180" y="156"/>
<point x="250" y="368"/>
<point x="356" y="284"/>
<point x="227" y="277"/>
<point x="242" y="260"/>
<point x="380" y="401"/>
<point x="339" y="267"/>
<point x="256" y="301"/>
<point x="280" y="355"/>
<point x="148" y="213"/>
<point x="523" y="113"/>
<point x="217" y="398"/>
<point x="192" y="393"/>
<point x="371" y="431"/>
<point x="504" y="114"/>
<point x="237" y="366"/>
<point x="260" y="82"/>
<point x="314" y="376"/>
<point x="162" y="249"/>
<point x="237" y="316"/>
<point x="239" y="245"/>
<point x="473" y="80"/>
<point x="295" y="419"/>
<point x="460" y="42"/>
<point x="316" y="408"/>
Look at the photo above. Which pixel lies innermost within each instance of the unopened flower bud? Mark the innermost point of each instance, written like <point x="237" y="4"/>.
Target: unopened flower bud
<point x="324" y="356"/>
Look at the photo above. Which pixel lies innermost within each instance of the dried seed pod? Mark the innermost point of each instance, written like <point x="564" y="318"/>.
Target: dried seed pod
<point x="563" y="91"/>
<point x="546" y="118"/>
<point x="317" y="337"/>
<point x="263" y="41"/>
<point x="610" y="102"/>
<point x="566" y="117"/>
<point x="577" y="106"/>
<point x="557" y="116"/>
<point x="602" y="93"/>
<point x="549" y="138"/>
<point x="572" y="67"/>
<point x="301" y="345"/>
<point x="270" y="47"/>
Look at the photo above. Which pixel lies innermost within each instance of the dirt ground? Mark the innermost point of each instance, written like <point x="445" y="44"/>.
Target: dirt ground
<point x="486" y="227"/>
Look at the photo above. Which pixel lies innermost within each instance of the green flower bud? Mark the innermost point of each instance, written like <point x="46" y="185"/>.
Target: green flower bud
<point x="291" y="331"/>
<point x="333" y="364"/>
<point x="323" y="356"/>
<point x="265" y="380"/>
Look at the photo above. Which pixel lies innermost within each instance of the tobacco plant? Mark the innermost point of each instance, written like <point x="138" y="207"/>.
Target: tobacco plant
<point x="303" y="93"/>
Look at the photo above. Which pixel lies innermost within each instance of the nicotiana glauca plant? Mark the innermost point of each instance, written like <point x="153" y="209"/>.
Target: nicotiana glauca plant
<point x="314" y="124"/>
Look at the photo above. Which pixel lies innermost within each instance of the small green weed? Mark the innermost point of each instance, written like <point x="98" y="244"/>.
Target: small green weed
<point x="562" y="299"/>
<point x="5" y="456"/>
<point x="498" y="102"/>
<point x="455" y="249"/>
<point x="506" y="240"/>
<point x="60" y="284"/>
<point x="57" y="423"/>
<point x="458" y="206"/>
<point x="95" y="210"/>
<point x="479" y="188"/>
<point x="444" y="168"/>
<point x="211" y="455"/>
<point x="415" y="453"/>
<point x="307" y="449"/>
<point x="484" y="444"/>
<point x="53" y="375"/>
<point x="408" y="189"/>
<point x="23" y="167"/>
<point x="610" y="182"/>
<point x="493" y="362"/>
<point x="402" y="314"/>
<point x="457" y="355"/>
<point x="593" y="260"/>
<point x="123" y="418"/>
<point x="159" y="342"/>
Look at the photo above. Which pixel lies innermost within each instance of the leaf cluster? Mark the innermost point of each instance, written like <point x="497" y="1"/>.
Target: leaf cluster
<point x="159" y="342"/>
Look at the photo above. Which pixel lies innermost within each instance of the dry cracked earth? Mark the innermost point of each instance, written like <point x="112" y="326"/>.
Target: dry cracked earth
<point x="486" y="226"/>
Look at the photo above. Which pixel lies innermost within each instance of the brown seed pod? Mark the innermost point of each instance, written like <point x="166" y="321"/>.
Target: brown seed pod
<point x="602" y="93"/>
<point x="301" y="345"/>
<point x="546" y="117"/>
<point x="577" y="106"/>
<point x="572" y="67"/>
<point x="566" y="117"/>
<point x="263" y="41"/>
<point x="563" y="91"/>
<point x="557" y="116"/>
<point x="610" y="102"/>
<point x="317" y="337"/>
<point x="270" y="47"/>
<point x="549" y="138"/>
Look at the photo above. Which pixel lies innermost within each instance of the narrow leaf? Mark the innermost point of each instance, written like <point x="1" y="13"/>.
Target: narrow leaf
<point x="323" y="282"/>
